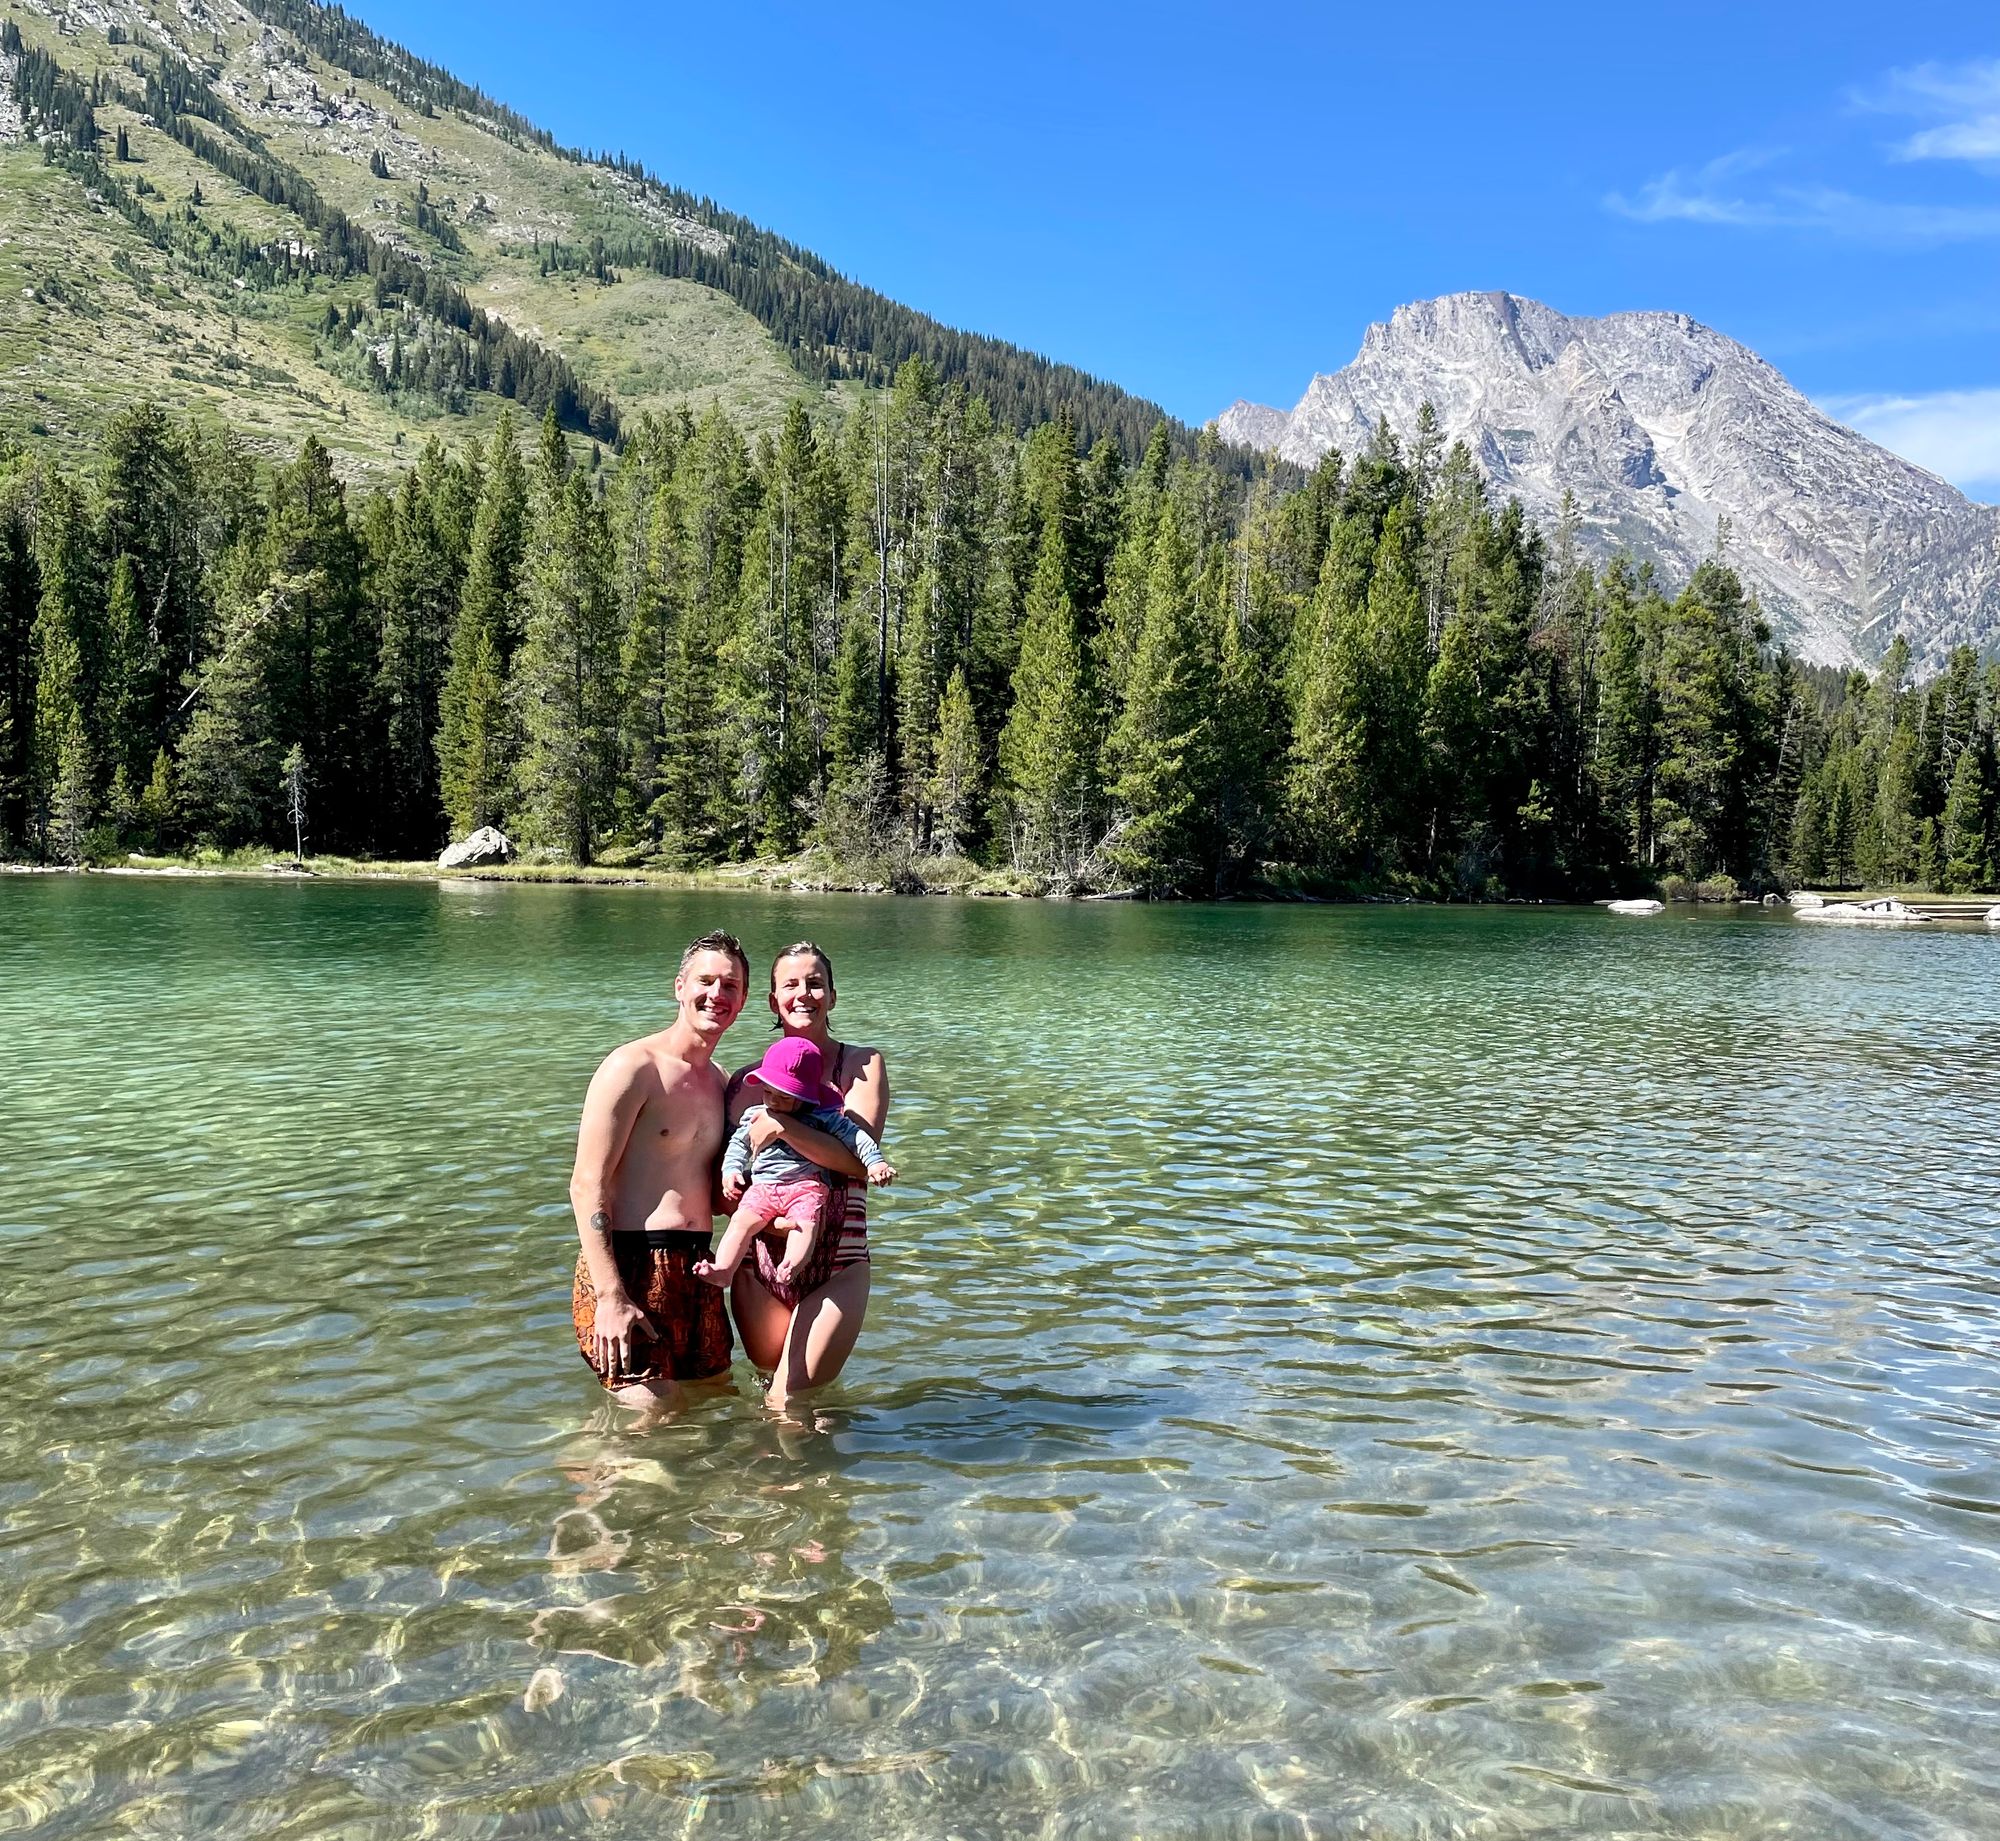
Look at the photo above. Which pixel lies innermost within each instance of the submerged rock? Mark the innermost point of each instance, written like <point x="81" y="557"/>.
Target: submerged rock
<point x="486" y="845"/>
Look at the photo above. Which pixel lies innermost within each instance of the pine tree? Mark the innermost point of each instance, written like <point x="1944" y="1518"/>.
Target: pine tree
<point x="20" y="594"/>
<point x="292" y="784"/>
<point x="228" y="755"/>
<point x="320" y="656"/>
<point x="1048" y="750"/>
<point x="419" y="566"/>
<point x="73" y="799"/>
<point x="1968" y="819"/>
<point x="294" y="663"/>
<point x="477" y="738"/>
<point x="69" y="648"/>
<point x="1327" y="775"/>
<point x="566" y="676"/>
<point x="1159" y="757"/>
<point x="853" y="811"/>
<point x="957" y="783"/>
<point x="1716" y="732"/>
<point x="125" y="729"/>
<point x="1126" y="574"/>
<point x="696" y="809"/>
<point x="1251" y="735"/>
<point x="159" y="805"/>
<point x="917" y="704"/>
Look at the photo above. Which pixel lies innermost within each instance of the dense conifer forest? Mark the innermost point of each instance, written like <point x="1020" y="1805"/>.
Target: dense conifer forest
<point x="915" y="636"/>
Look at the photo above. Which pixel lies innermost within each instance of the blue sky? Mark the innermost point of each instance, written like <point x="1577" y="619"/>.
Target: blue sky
<point x="1207" y="202"/>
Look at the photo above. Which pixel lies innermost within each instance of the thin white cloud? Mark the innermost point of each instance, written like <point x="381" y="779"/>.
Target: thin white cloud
<point x="1936" y="89"/>
<point x="1957" y="111"/>
<point x="1678" y="197"/>
<point x="1952" y="433"/>
<point x="1960" y="101"/>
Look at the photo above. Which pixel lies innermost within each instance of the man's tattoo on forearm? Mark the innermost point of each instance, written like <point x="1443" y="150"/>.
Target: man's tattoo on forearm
<point x="601" y="1224"/>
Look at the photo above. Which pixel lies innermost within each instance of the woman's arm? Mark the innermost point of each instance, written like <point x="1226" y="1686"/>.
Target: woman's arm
<point x="809" y="1141"/>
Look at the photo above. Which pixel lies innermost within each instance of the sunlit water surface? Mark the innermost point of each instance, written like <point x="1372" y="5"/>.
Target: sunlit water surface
<point x="1331" y="1372"/>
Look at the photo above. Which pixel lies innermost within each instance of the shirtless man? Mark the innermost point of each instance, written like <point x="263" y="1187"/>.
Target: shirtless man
<point x="644" y="1192"/>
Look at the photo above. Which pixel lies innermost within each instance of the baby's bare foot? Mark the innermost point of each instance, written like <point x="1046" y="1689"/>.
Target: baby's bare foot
<point x="710" y="1273"/>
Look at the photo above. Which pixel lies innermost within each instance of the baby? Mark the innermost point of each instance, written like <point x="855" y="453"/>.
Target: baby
<point x="786" y="1192"/>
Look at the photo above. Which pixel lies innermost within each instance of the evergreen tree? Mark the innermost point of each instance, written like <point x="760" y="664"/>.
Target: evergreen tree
<point x="125" y="726"/>
<point x="159" y="806"/>
<point x="1715" y="730"/>
<point x="20" y="595"/>
<point x="73" y="798"/>
<point x="1130" y="566"/>
<point x="958" y="780"/>
<point x="228" y="756"/>
<point x="1251" y="736"/>
<point x="1327" y="779"/>
<point x="1160" y="756"/>
<point x="477" y="737"/>
<point x="153" y="515"/>
<point x="566" y="676"/>
<point x="419" y="566"/>
<point x="1048" y="750"/>
<point x="1624" y="745"/>
<point x="68" y="645"/>
<point x="1968" y="821"/>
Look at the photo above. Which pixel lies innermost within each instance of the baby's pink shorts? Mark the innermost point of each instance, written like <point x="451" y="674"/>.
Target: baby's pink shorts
<point x="799" y="1200"/>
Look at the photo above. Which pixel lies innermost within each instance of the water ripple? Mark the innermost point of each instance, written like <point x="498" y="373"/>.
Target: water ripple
<point x="1416" y="1374"/>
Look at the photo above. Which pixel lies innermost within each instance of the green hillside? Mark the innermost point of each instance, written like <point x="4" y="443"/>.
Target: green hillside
<point x="270" y="217"/>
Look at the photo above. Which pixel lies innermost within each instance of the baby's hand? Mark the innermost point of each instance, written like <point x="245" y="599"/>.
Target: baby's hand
<point x="733" y="1187"/>
<point x="881" y="1176"/>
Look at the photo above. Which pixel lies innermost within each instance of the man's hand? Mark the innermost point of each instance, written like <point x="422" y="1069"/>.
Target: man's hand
<point x="733" y="1186"/>
<point x="616" y="1318"/>
<point x="881" y="1175"/>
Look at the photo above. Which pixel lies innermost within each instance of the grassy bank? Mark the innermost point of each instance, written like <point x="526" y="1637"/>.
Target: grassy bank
<point x="812" y="873"/>
<point x="893" y="873"/>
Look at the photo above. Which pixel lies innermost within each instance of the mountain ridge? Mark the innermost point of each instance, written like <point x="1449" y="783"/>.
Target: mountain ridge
<point x="653" y="296"/>
<point x="1661" y="428"/>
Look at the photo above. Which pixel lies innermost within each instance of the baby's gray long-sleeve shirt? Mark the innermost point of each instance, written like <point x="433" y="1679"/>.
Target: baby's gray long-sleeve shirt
<point x="777" y="1162"/>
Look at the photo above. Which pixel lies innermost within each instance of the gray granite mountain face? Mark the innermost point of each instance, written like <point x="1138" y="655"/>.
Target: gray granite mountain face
<point x="1660" y="428"/>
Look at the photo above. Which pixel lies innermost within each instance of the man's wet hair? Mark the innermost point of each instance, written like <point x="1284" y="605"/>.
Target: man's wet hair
<point x="797" y="949"/>
<point x="718" y="941"/>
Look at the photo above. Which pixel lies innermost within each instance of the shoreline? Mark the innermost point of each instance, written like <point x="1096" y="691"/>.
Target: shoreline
<point x="796" y="877"/>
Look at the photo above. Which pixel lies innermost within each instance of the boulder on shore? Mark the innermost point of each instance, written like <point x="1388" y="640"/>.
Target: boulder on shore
<point x="486" y="845"/>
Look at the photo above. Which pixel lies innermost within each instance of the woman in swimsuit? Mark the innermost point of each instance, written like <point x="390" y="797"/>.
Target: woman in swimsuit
<point x="804" y="1345"/>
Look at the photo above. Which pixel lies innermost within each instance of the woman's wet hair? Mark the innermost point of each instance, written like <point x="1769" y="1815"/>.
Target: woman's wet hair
<point x="795" y="950"/>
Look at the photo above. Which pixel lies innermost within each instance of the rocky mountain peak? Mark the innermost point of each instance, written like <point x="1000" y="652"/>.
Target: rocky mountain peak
<point x="1661" y="428"/>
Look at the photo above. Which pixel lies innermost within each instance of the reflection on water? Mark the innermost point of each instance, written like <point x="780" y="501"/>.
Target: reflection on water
<point x="1411" y="1374"/>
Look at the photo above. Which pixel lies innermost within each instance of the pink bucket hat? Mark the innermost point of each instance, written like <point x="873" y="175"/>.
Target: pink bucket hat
<point x="792" y="1065"/>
